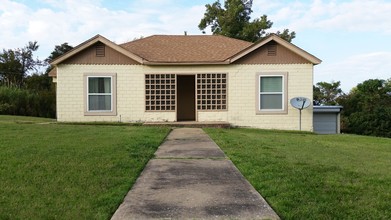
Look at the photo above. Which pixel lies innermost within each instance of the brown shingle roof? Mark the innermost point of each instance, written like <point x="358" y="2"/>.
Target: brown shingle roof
<point x="186" y="49"/>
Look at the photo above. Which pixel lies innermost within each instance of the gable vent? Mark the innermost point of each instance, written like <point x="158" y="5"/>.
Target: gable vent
<point x="272" y="50"/>
<point x="100" y="50"/>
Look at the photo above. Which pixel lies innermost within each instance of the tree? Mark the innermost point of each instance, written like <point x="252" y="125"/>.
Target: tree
<point x="42" y="82"/>
<point x="327" y="93"/>
<point x="234" y="21"/>
<point x="58" y="51"/>
<point x="367" y="108"/>
<point x="16" y="64"/>
<point x="9" y="68"/>
<point x="25" y="93"/>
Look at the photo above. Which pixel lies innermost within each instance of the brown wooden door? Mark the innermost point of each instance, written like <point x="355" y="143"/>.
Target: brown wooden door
<point x="186" y="98"/>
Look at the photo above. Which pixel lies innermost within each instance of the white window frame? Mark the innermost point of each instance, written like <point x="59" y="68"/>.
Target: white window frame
<point x="113" y="90"/>
<point x="98" y="94"/>
<point x="284" y="93"/>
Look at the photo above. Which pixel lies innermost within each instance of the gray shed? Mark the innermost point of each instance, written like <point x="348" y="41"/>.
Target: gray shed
<point x="327" y="119"/>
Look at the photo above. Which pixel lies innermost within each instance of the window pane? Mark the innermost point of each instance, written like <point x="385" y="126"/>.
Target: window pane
<point x="99" y="85"/>
<point x="99" y="102"/>
<point x="271" y="101"/>
<point x="271" y="84"/>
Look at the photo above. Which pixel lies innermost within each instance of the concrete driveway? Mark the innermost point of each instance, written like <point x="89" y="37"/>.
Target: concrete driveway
<point x="190" y="178"/>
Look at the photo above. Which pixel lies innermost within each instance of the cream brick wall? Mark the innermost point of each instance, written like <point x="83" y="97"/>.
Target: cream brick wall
<point x="131" y="96"/>
<point x="212" y="116"/>
<point x="242" y="96"/>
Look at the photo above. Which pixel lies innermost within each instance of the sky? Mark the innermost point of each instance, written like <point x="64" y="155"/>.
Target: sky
<point x="352" y="38"/>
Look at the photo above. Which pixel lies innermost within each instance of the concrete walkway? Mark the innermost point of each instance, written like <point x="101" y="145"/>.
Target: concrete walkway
<point x="191" y="178"/>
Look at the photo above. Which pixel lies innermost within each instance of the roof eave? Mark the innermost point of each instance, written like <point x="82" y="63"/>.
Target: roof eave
<point x="159" y="63"/>
<point x="53" y="72"/>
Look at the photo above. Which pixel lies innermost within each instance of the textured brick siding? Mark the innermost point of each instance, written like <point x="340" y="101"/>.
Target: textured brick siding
<point x="241" y="94"/>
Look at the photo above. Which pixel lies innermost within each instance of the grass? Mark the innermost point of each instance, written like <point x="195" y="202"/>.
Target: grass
<point x="62" y="171"/>
<point x="24" y="119"/>
<point x="83" y="171"/>
<point x="308" y="176"/>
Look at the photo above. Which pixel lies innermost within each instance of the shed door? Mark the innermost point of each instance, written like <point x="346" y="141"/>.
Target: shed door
<point x="325" y="123"/>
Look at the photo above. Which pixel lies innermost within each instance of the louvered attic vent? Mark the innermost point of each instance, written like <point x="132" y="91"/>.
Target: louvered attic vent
<point x="100" y="50"/>
<point x="272" y="50"/>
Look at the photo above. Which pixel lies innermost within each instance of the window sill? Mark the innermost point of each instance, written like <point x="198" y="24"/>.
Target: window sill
<point x="282" y="112"/>
<point x="97" y="113"/>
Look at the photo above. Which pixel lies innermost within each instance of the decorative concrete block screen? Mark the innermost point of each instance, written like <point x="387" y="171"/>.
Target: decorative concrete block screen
<point x="160" y="92"/>
<point x="212" y="91"/>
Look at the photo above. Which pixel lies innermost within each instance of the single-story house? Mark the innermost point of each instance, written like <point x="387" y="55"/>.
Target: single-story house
<point x="170" y="78"/>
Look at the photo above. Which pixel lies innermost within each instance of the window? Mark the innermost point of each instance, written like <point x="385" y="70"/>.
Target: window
<point x="212" y="91"/>
<point x="272" y="94"/>
<point x="100" y="94"/>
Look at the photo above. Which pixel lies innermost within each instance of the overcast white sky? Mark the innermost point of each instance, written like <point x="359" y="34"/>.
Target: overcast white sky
<point x="351" y="37"/>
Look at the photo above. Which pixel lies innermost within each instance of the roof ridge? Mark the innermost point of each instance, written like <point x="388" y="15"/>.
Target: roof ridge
<point x="141" y="38"/>
<point x="179" y="35"/>
<point x="219" y="35"/>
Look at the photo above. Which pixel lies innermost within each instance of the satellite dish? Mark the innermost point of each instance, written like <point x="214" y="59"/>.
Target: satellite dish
<point x="300" y="102"/>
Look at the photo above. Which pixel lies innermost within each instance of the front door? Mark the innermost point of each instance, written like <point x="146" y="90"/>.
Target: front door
<point x="186" y="98"/>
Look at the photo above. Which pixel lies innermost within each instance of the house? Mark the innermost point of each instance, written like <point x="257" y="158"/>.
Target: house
<point x="168" y="78"/>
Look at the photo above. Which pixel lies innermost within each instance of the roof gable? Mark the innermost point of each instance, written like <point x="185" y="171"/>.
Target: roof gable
<point x="291" y="47"/>
<point x="271" y="53"/>
<point x="109" y="56"/>
<point x="91" y="42"/>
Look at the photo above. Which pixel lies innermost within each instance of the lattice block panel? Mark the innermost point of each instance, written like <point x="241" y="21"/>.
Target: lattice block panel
<point x="160" y="92"/>
<point x="212" y="91"/>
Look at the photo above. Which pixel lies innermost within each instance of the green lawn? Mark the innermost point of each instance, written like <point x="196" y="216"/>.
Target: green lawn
<point x="308" y="176"/>
<point x="61" y="171"/>
<point x="24" y="119"/>
<point x="74" y="171"/>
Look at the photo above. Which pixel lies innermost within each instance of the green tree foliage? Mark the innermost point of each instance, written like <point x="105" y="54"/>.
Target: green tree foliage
<point x="16" y="64"/>
<point x="327" y="93"/>
<point x="27" y="94"/>
<point x="234" y="21"/>
<point x="9" y="69"/>
<point x="367" y="108"/>
<point x="58" y="51"/>
<point x="38" y="82"/>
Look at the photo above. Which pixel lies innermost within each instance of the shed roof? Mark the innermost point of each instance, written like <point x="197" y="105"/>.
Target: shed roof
<point x="327" y="108"/>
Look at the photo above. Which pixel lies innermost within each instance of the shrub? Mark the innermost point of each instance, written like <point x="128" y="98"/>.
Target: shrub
<point x="367" y="109"/>
<point x="16" y="101"/>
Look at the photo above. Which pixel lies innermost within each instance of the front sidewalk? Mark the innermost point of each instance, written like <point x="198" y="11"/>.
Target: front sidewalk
<point x="191" y="178"/>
